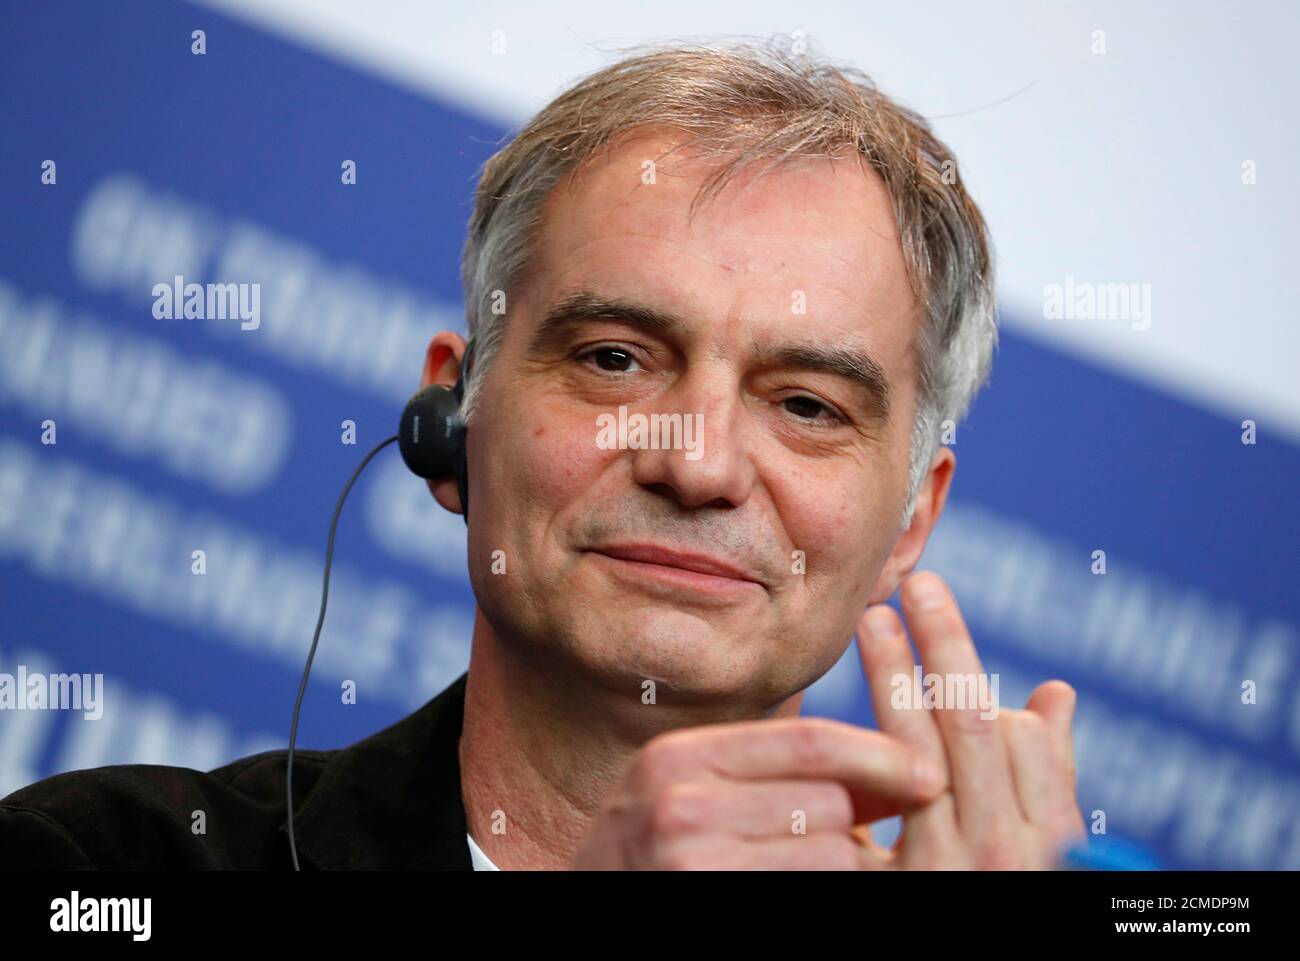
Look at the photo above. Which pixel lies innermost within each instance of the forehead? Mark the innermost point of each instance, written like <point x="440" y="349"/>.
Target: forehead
<point x="811" y="248"/>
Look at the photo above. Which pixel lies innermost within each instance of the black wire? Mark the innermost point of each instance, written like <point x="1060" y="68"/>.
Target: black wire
<point x="320" y="621"/>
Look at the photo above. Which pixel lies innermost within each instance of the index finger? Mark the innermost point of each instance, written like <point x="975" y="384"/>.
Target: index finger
<point x="879" y="770"/>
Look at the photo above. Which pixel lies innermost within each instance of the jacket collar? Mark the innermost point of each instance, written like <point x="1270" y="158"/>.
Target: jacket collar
<point x="392" y="800"/>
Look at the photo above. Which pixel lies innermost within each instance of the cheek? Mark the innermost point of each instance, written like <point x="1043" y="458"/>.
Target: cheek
<point x="550" y="464"/>
<point x="835" y="521"/>
<point x="816" y="519"/>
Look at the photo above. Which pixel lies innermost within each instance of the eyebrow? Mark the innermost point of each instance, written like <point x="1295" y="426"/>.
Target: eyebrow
<point x="584" y="305"/>
<point x="853" y="365"/>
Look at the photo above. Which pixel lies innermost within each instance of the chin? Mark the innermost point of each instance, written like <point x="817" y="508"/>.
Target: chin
<point x="683" y="652"/>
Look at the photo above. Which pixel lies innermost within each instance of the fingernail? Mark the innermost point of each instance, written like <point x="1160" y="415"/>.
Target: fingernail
<point x="880" y="622"/>
<point x="927" y="592"/>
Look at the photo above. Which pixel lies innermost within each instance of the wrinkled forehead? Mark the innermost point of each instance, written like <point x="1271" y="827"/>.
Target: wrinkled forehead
<point x="806" y="251"/>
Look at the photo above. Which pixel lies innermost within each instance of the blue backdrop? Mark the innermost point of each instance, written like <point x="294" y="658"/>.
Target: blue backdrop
<point x="176" y="436"/>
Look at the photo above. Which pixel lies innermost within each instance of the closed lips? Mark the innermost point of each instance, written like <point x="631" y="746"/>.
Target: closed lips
<point x="669" y="557"/>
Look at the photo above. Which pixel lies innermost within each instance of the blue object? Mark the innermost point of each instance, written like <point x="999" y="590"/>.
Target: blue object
<point x="1102" y="853"/>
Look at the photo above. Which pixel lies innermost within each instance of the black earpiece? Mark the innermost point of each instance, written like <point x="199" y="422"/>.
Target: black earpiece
<point x="431" y="436"/>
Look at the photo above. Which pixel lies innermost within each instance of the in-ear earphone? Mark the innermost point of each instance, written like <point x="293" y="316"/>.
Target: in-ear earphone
<point x="432" y="434"/>
<point x="431" y="437"/>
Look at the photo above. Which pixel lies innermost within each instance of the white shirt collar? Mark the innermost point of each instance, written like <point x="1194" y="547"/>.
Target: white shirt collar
<point x="481" y="861"/>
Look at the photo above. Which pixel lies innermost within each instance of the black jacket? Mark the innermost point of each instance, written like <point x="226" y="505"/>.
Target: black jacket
<point x="391" y="800"/>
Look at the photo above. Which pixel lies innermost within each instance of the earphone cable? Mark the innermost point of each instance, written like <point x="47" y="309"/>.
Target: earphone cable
<point x="320" y="621"/>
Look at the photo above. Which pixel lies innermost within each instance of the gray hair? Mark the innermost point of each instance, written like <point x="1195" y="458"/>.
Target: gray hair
<point x="740" y="102"/>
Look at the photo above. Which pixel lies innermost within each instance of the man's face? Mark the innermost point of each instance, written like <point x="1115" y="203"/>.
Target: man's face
<point x="782" y="316"/>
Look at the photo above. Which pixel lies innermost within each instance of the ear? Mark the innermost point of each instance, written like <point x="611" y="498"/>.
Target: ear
<point x="911" y="543"/>
<point x="442" y="366"/>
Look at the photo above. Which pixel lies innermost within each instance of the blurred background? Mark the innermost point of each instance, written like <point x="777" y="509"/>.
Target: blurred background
<point x="1144" y="408"/>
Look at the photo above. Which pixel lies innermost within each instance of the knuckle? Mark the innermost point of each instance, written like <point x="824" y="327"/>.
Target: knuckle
<point x="679" y="809"/>
<point x="998" y="851"/>
<point x="653" y="764"/>
<point x="812" y="744"/>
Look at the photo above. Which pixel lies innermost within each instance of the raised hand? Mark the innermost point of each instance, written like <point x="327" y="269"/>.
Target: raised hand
<point x="1010" y="802"/>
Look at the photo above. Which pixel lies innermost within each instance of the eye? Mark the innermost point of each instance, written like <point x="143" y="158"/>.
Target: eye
<point x="614" y="360"/>
<point x="808" y="408"/>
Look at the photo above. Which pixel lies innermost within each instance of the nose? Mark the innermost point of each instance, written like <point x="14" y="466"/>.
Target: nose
<point x="718" y="471"/>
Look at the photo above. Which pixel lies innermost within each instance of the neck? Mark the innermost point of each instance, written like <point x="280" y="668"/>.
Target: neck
<point x="543" y="745"/>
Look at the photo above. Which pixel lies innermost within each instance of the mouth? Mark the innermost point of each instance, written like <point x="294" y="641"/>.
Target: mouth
<point x="678" y="569"/>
